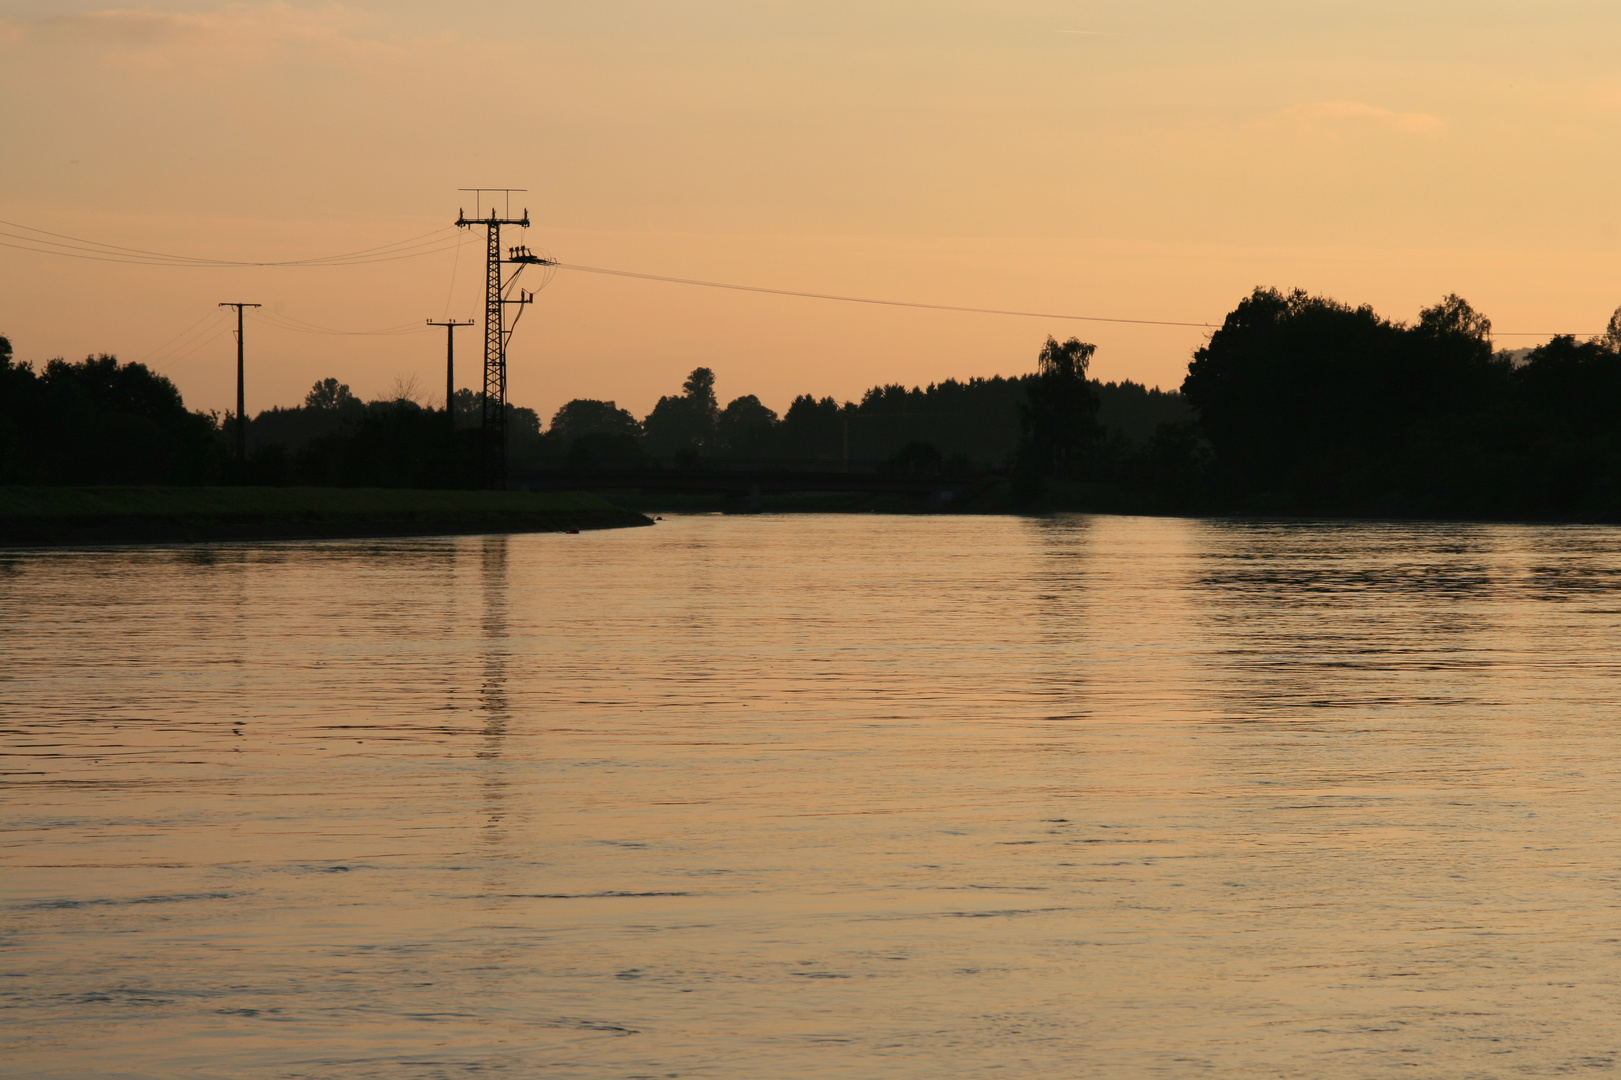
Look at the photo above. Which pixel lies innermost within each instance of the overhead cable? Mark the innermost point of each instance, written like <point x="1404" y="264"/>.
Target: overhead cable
<point x="175" y="343"/>
<point x="192" y="349"/>
<point x="139" y="254"/>
<point x="953" y="307"/>
<point x="287" y="322"/>
<point x="869" y="300"/>
<point x="44" y="242"/>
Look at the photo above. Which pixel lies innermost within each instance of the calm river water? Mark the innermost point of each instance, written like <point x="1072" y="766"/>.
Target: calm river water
<point x="790" y="797"/>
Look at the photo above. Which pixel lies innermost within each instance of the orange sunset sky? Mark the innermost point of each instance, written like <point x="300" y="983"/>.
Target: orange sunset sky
<point x="1148" y="160"/>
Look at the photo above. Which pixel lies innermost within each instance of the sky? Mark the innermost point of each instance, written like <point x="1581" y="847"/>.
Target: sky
<point x="1145" y="160"/>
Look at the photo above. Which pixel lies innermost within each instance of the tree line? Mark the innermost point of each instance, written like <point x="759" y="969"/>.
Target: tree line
<point x="963" y="426"/>
<point x="1313" y="406"/>
<point x="1297" y="404"/>
<point x="99" y="421"/>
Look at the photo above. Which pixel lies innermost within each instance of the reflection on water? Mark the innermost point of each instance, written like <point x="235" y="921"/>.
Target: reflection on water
<point x="493" y="686"/>
<point x="826" y="796"/>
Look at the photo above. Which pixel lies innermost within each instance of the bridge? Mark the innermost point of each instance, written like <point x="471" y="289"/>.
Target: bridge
<point x="746" y="481"/>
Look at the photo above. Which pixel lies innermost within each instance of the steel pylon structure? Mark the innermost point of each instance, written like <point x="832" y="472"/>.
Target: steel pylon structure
<point x="493" y="418"/>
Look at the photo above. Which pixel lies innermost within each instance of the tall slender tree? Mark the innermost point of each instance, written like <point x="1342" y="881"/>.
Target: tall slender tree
<point x="1059" y="415"/>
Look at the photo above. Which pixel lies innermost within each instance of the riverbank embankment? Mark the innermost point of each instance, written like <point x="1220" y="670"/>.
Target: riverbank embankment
<point x="53" y="516"/>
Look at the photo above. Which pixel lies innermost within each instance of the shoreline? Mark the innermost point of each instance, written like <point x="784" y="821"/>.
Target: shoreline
<point x="39" y="517"/>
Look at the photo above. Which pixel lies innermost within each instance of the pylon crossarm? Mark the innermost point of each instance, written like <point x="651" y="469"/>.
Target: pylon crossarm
<point x="463" y="220"/>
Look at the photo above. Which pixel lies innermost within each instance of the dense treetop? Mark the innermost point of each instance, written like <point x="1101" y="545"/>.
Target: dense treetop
<point x="1312" y="406"/>
<point x="98" y="421"/>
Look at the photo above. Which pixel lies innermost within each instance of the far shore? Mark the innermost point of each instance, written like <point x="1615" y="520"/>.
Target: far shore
<point x="71" y="516"/>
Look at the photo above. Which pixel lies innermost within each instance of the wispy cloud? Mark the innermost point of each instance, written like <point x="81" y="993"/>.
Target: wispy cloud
<point x="1334" y="116"/>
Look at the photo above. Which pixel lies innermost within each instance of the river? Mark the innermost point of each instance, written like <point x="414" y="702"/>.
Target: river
<point x="817" y="796"/>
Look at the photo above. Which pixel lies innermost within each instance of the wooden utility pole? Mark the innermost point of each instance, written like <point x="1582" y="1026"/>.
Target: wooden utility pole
<point x="450" y="367"/>
<point x="241" y="416"/>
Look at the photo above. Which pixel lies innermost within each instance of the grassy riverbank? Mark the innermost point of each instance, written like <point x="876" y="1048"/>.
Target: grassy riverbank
<point x="32" y="516"/>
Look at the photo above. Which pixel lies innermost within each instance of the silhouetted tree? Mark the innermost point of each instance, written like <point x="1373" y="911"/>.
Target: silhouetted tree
<point x="917" y="459"/>
<point x="811" y="430"/>
<point x="16" y="396"/>
<point x="1567" y="429"/>
<point x="584" y="416"/>
<point x="684" y="424"/>
<point x="1059" y="416"/>
<point x="328" y="409"/>
<point x="596" y="434"/>
<point x="102" y="422"/>
<point x="1289" y="394"/>
<point x="1312" y="405"/>
<point x="745" y="427"/>
<point x="1611" y="338"/>
<point x="329" y="395"/>
<point x="1133" y="413"/>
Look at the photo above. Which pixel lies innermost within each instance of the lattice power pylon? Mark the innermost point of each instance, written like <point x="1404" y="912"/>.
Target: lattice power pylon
<point x="493" y="419"/>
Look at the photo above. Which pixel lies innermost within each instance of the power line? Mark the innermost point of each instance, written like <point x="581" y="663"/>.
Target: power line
<point x="952" y="307"/>
<point x="97" y="255"/>
<point x="299" y="326"/>
<point x="114" y="247"/>
<point x="220" y="331"/>
<point x="869" y="300"/>
<point x="96" y="246"/>
<point x="45" y="242"/>
<point x="175" y="343"/>
<point x="450" y="294"/>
